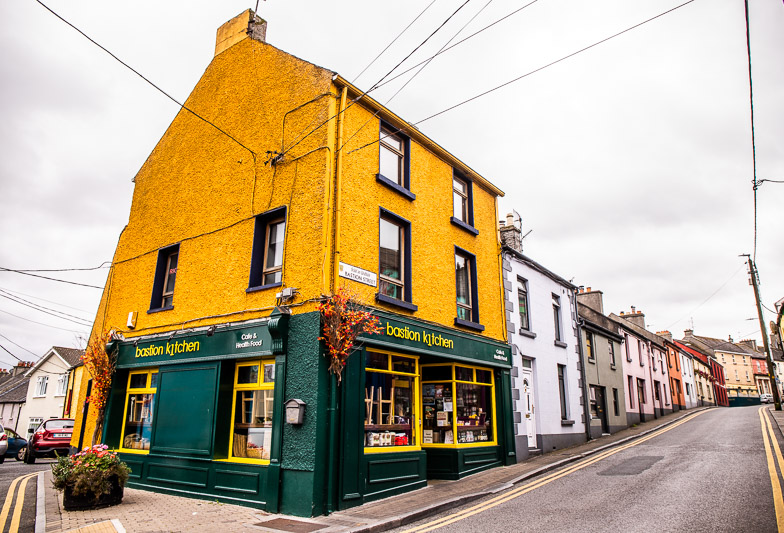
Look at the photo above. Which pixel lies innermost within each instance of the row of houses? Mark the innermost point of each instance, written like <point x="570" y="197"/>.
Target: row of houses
<point x="32" y="392"/>
<point x="224" y="388"/>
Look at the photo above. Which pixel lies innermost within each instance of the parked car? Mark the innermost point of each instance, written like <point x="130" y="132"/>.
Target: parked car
<point x="3" y="443"/>
<point x="766" y="398"/>
<point x="16" y="444"/>
<point x="52" y="438"/>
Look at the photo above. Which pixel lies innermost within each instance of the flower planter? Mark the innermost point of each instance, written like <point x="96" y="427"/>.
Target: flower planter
<point x="81" y="502"/>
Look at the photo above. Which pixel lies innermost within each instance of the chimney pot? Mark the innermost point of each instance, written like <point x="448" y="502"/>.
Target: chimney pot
<point x="588" y="289"/>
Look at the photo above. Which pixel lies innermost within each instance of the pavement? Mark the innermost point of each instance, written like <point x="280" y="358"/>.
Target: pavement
<point x="148" y="512"/>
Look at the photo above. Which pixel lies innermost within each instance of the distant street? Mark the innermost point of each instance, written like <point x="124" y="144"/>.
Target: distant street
<point x="709" y="474"/>
<point x="9" y="471"/>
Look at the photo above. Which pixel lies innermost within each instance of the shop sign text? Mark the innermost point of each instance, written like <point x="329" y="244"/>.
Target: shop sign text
<point x="501" y="356"/>
<point x="170" y="349"/>
<point x="431" y="339"/>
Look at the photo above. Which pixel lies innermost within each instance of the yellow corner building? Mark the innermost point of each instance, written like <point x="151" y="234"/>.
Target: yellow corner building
<point x="277" y="184"/>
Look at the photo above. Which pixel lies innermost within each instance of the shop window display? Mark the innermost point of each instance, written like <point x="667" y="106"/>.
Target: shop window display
<point x="139" y="403"/>
<point x="457" y="405"/>
<point x="391" y="384"/>
<point x="254" y="385"/>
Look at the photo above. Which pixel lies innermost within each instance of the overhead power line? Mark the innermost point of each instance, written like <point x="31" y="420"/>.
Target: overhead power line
<point x="17" y="293"/>
<point x="167" y="95"/>
<point x="374" y="86"/>
<point x="105" y="264"/>
<point x="552" y="63"/>
<point x="393" y="41"/>
<point x="46" y="310"/>
<point x="50" y="279"/>
<point x="41" y="323"/>
<point x="9" y="352"/>
<point x="18" y="345"/>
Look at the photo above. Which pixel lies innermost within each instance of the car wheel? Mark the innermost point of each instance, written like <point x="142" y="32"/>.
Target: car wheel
<point x="20" y="455"/>
<point x="29" y="456"/>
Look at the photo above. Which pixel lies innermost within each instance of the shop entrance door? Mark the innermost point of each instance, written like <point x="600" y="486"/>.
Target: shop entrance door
<point x="529" y="411"/>
<point x="641" y="398"/>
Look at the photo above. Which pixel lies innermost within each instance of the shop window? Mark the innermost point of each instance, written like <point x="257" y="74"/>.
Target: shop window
<point x="139" y="404"/>
<point x="463" y="204"/>
<point x="466" y="291"/>
<point x="394" y="161"/>
<point x="251" y="431"/>
<point x="458" y="406"/>
<point x="266" y="267"/>
<point x="394" y="258"/>
<point x="391" y="402"/>
<point x="165" y="276"/>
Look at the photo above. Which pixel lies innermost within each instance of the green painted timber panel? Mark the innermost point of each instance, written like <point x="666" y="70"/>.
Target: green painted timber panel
<point x="455" y="463"/>
<point x="393" y="473"/>
<point x="185" y="410"/>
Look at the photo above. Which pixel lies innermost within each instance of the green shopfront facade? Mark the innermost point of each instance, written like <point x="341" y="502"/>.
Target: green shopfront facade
<point x="201" y="413"/>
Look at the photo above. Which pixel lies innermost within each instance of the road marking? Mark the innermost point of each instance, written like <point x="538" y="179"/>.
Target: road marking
<point x="778" y="500"/>
<point x="17" y="517"/>
<point x="498" y="500"/>
<point x="9" y="498"/>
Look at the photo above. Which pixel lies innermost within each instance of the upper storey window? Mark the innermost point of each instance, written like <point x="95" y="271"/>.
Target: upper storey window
<point x="466" y="291"/>
<point x="462" y="204"/>
<point x="165" y="276"/>
<point x="266" y="267"/>
<point x="394" y="261"/>
<point x="394" y="161"/>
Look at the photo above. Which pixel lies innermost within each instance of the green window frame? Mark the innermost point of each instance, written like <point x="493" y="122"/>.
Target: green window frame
<point x="252" y="410"/>
<point x="139" y="410"/>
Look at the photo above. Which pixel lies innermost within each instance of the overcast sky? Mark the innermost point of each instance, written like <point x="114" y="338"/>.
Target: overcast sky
<point x="631" y="162"/>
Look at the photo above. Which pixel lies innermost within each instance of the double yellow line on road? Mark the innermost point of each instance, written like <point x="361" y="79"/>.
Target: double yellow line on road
<point x="9" y="498"/>
<point x="769" y="438"/>
<point x="498" y="500"/>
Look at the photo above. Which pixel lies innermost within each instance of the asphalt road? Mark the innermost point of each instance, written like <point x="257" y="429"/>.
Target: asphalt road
<point x="709" y="474"/>
<point x="9" y="471"/>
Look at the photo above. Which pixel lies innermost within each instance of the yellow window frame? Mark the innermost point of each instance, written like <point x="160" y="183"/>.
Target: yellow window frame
<point x="147" y="389"/>
<point x="415" y="402"/>
<point x="238" y="387"/>
<point x="454" y="383"/>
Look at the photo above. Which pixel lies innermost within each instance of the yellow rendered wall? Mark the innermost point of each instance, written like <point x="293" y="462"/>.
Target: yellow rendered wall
<point x="433" y="237"/>
<point x="201" y="189"/>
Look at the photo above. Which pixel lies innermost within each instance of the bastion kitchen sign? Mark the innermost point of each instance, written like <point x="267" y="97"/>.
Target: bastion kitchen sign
<point x="202" y="345"/>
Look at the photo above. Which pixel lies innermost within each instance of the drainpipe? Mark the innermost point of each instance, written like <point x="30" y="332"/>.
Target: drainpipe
<point x="332" y="412"/>
<point x="583" y="375"/>
<point x="338" y="180"/>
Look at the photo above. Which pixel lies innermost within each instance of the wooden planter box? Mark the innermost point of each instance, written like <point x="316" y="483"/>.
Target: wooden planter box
<point x="81" y="502"/>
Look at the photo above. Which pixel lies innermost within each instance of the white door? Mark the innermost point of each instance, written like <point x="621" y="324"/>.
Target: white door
<point x="529" y="409"/>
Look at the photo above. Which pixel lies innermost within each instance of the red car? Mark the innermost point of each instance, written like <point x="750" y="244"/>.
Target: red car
<point x="52" y="438"/>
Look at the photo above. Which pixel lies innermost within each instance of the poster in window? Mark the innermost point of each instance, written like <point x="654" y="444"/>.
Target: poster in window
<point x="442" y="418"/>
<point x="427" y="436"/>
<point x="448" y="438"/>
<point x="448" y="406"/>
<point x="439" y="391"/>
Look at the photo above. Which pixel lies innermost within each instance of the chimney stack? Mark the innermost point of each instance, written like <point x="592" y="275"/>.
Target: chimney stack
<point x="246" y="24"/>
<point x="511" y="235"/>
<point x="665" y="334"/>
<point x="592" y="299"/>
<point x="635" y="317"/>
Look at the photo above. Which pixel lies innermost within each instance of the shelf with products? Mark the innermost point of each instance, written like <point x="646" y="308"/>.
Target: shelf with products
<point x="390" y="396"/>
<point x="458" y="405"/>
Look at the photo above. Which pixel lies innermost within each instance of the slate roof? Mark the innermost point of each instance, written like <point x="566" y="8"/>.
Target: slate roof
<point x="720" y="345"/>
<point x="642" y="332"/>
<point x="595" y="320"/>
<point x="14" y="390"/>
<point x="71" y="355"/>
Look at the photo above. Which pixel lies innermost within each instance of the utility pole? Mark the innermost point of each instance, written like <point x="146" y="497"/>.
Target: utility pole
<point x="771" y="372"/>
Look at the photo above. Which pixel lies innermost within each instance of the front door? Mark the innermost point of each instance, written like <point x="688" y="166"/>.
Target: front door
<point x="601" y="408"/>
<point x="529" y="415"/>
<point x="641" y="397"/>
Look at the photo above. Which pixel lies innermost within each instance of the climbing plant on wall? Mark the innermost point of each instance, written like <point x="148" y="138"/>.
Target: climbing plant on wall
<point x="343" y="319"/>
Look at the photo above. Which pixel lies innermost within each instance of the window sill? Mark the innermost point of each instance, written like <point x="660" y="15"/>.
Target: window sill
<point x="159" y="309"/>
<point x="527" y="333"/>
<point x="383" y="180"/>
<point x="462" y="225"/>
<point x="264" y="287"/>
<point x="560" y="344"/>
<point x="470" y="325"/>
<point x="591" y="360"/>
<point x="408" y="306"/>
<point x="567" y="422"/>
<point x="612" y="367"/>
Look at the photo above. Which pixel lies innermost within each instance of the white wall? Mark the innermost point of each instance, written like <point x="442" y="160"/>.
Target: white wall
<point x="545" y="353"/>
<point x="49" y="405"/>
